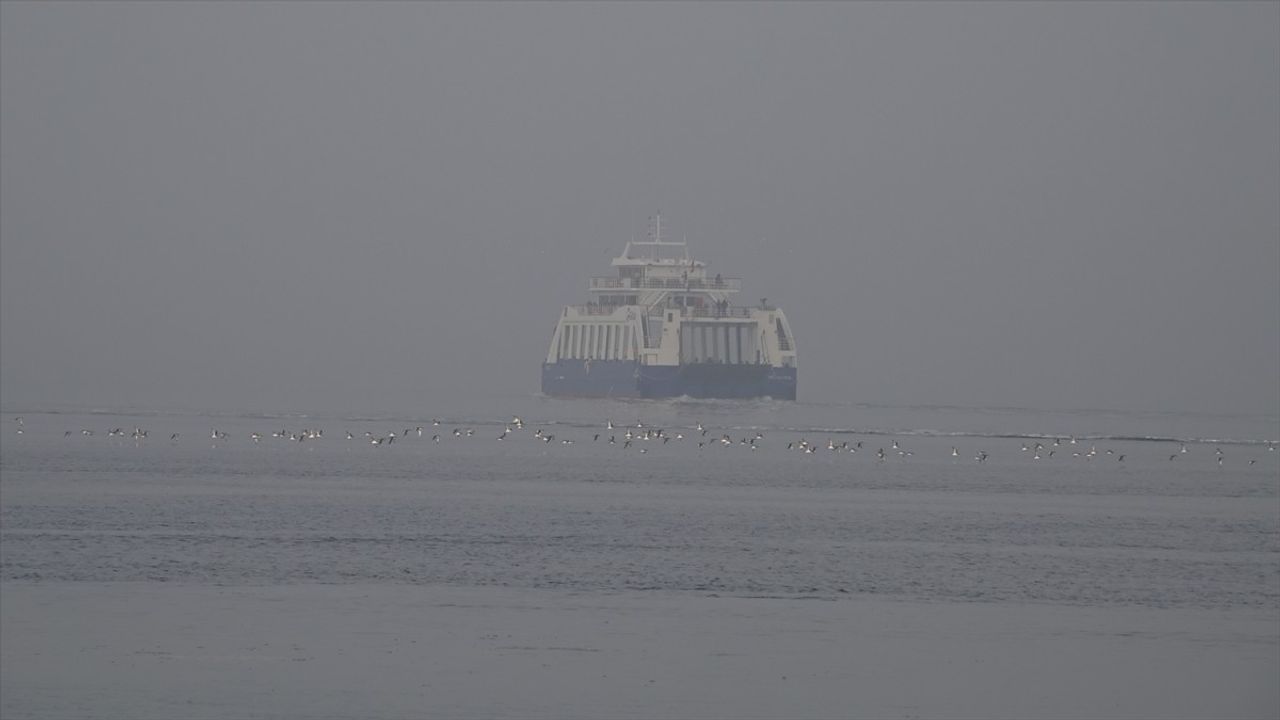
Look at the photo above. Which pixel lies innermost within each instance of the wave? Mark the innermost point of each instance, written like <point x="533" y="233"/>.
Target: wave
<point x="677" y="417"/>
<point x="1007" y="435"/>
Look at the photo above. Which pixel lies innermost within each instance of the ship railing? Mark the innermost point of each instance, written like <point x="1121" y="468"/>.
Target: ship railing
<point x="593" y="309"/>
<point x="731" y="311"/>
<point x="710" y="311"/>
<point x="717" y="284"/>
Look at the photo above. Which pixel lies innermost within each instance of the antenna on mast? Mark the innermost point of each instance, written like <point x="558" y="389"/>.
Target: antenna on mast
<point x="656" y="235"/>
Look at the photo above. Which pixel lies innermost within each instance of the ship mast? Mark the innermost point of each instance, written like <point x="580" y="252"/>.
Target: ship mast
<point x="655" y="234"/>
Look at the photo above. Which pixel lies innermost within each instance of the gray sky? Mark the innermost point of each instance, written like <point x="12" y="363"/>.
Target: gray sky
<point x="298" y="206"/>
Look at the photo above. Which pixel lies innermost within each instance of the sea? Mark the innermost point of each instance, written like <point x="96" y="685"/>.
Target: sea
<point x="756" y="499"/>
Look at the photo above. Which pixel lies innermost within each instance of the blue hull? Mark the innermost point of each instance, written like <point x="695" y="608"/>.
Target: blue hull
<point x="628" y="379"/>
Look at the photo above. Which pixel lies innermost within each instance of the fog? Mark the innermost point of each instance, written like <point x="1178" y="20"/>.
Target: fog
<point x="351" y="208"/>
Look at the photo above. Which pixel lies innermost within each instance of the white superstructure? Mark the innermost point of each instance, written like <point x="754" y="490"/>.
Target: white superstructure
<point x="665" y="309"/>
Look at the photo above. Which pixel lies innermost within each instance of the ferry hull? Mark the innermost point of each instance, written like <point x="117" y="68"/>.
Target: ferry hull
<point x="630" y="379"/>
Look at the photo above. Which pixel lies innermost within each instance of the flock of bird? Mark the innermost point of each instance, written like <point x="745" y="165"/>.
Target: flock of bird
<point x="640" y="435"/>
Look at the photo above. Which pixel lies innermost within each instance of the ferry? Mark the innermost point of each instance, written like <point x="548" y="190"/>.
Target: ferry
<point x="666" y="326"/>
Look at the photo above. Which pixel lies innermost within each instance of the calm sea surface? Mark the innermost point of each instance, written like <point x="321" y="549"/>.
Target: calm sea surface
<point x="1152" y="510"/>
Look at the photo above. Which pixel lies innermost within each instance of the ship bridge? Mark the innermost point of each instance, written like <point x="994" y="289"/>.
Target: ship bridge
<point x="658" y="273"/>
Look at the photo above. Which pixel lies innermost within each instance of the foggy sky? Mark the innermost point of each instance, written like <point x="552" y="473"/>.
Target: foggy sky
<point x="316" y="206"/>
